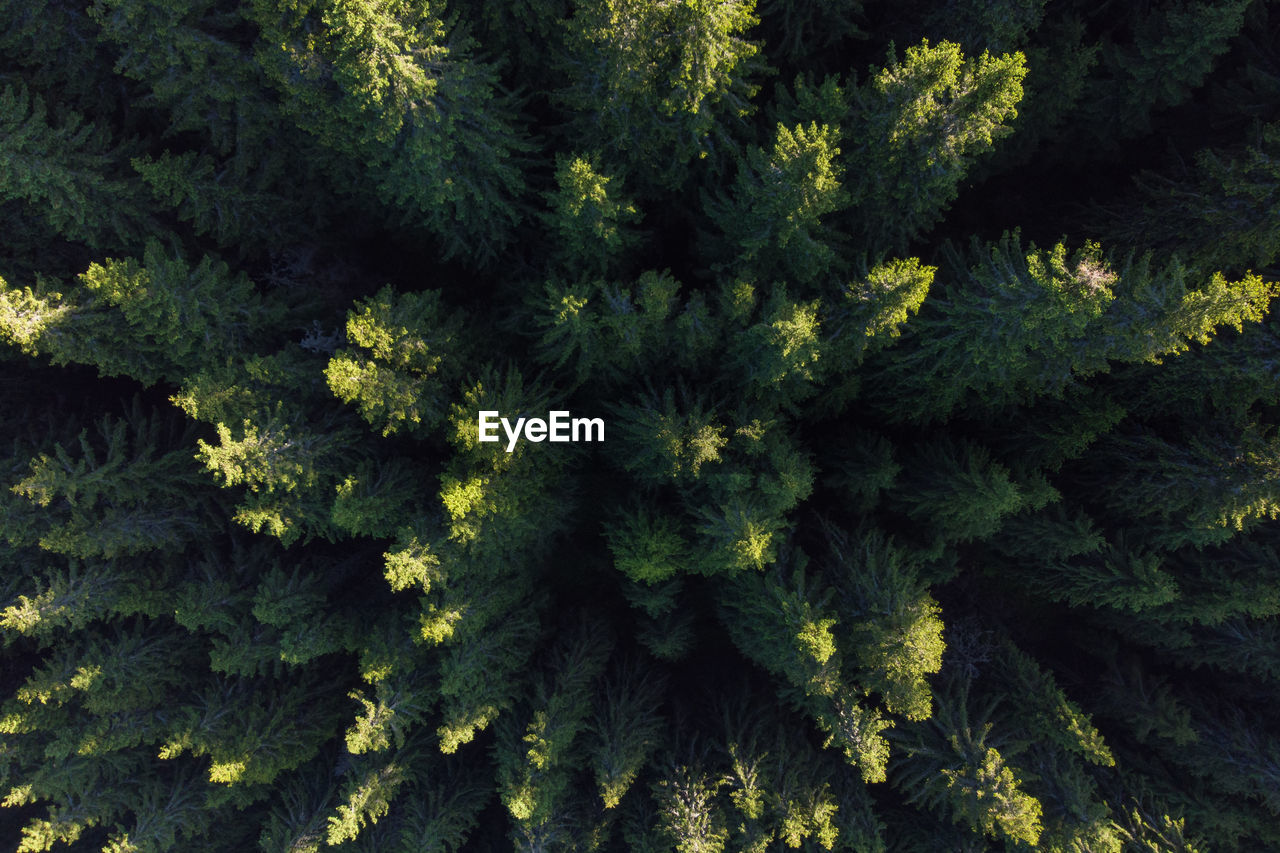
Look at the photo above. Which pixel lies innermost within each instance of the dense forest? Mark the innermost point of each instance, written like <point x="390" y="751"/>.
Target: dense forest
<point x="938" y="501"/>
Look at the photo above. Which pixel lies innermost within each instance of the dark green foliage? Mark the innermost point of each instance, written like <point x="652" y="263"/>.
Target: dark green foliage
<point x="385" y="86"/>
<point x="913" y="131"/>
<point x="1171" y="52"/>
<point x="656" y="83"/>
<point x="1222" y="212"/>
<point x="159" y="319"/>
<point x="1065" y="315"/>
<point x="772" y="220"/>
<point x="67" y="172"/>
<point x="900" y="535"/>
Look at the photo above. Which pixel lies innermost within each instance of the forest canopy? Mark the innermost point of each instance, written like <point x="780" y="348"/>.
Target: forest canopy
<point x="935" y="503"/>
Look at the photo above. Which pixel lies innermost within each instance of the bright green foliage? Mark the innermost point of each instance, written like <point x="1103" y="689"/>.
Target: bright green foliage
<point x="67" y="172"/>
<point x="68" y="596"/>
<point x="1148" y="833"/>
<point x="772" y="221"/>
<point x="159" y="319"/>
<point x="877" y="305"/>
<point x="534" y="773"/>
<point x="1068" y="315"/>
<point x="291" y="449"/>
<point x="1038" y="485"/>
<point x="365" y="801"/>
<point x="591" y="224"/>
<point x="868" y="315"/>
<point x="409" y="348"/>
<point x="916" y="127"/>
<point x="284" y="467"/>
<point x="385" y="85"/>
<point x="668" y="443"/>
<point x="486" y="492"/>
<point x="402" y="696"/>
<point x="655" y="81"/>
<point x="951" y="766"/>
<point x="889" y="623"/>
<point x="780" y="354"/>
<point x="647" y="548"/>
<point x="778" y="788"/>
<point x="690" y="820"/>
<point x="411" y="564"/>
<point x="784" y="626"/>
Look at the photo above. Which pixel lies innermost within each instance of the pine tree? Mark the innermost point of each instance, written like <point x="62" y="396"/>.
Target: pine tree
<point x="785" y="627"/>
<point x="409" y="348"/>
<point x="889" y="624"/>
<point x="1220" y="212"/>
<point x="161" y="319"/>
<point x="1173" y="49"/>
<point x="1199" y="490"/>
<point x="115" y="494"/>
<point x="772" y="220"/>
<point x="935" y="109"/>
<point x="536" y="771"/>
<point x="67" y="172"/>
<point x="960" y="492"/>
<point x="592" y="224"/>
<point x="1068" y="315"/>
<point x="657" y="82"/>
<point x="949" y="765"/>
<point x="388" y="87"/>
<point x="625" y="729"/>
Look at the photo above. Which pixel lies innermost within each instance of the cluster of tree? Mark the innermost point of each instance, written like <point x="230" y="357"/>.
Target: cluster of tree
<point x="939" y="507"/>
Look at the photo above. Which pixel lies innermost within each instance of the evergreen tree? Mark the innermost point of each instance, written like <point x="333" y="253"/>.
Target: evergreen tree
<point x="1075" y="313"/>
<point x="914" y="129"/>
<point x="159" y="319"/>
<point x="1037" y="484"/>
<point x="772" y="220"/>
<point x="386" y="86"/>
<point x="68" y="172"/>
<point x="408" y="340"/>
<point x="656" y="82"/>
